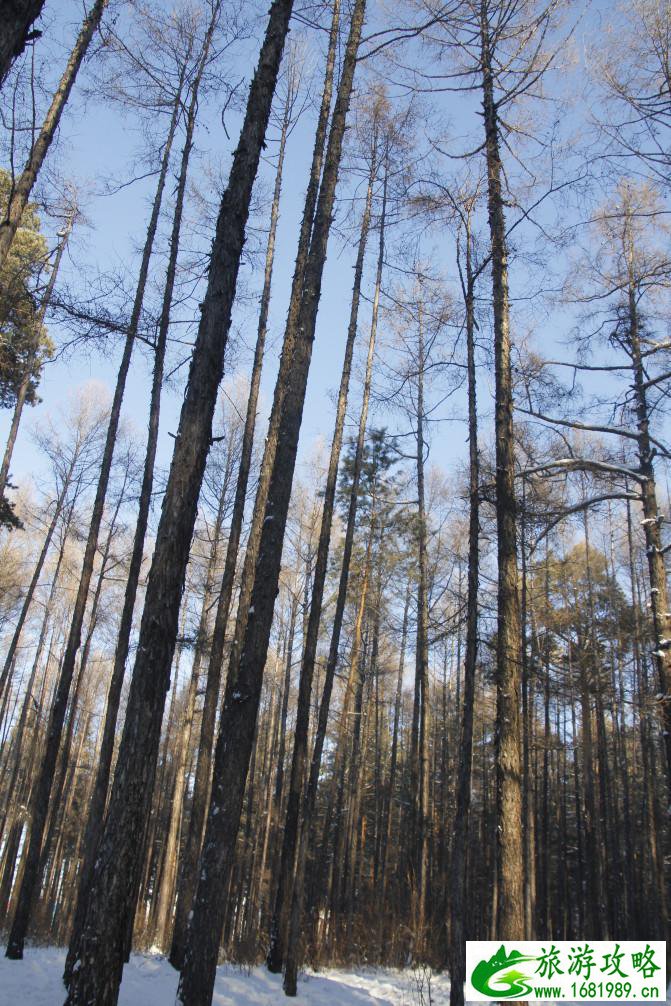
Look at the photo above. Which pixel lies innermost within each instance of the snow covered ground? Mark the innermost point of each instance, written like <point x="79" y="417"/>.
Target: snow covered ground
<point x="150" y="981"/>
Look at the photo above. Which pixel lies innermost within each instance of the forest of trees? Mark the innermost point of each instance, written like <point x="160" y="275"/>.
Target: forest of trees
<point x="332" y="636"/>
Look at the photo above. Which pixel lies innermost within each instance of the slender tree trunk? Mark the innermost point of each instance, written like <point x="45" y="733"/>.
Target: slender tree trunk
<point x="163" y="901"/>
<point x="299" y="758"/>
<point x="286" y="688"/>
<point x="345" y="761"/>
<point x="43" y="787"/>
<point x="112" y="897"/>
<point x="580" y="857"/>
<point x="204" y="771"/>
<point x="393" y="761"/>
<point x="64" y="754"/>
<point x="95" y="818"/>
<point x="652" y="520"/>
<point x="655" y="876"/>
<point x="27" y="781"/>
<point x="166" y="888"/>
<point x="544" y="907"/>
<point x="353" y="824"/>
<point x="285" y="370"/>
<point x="23" y="186"/>
<point x="310" y="796"/>
<point x="19" y="738"/>
<point x="590" y="820"/>
<point x="421" y="829"/>
<point x="459" y="858"/>
<point x="528" y="804"/>
<point x="201" y="791"/>
<point x="243" y="688"/>
<point x="47" y="613"/>
<point x="598" y="767"/>
<point x="510" y="887"/>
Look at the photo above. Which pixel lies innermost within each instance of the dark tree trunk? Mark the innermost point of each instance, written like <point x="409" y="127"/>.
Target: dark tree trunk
<point x="421" y="769"/>
<point x="18" y="742"/>
<point x="459" y="859"/>
<point x="590" y="819"/>
<point x="59" y="784"/>
<point x="393" y="761"/>
<point x="6" y="675"/>
<point x="310" y="796"/>
<point x="258" y="516"/>
<point x="344" y="768"/>
<point x="299" y="757"/>
<point x="243" y="687"/>
<point x="189" y="865"/>
<point x="17" y="30"/>
<point x="654" y="890"/>
<point x="652" y="521"/>
<point x="114" y="878"/>
<point x="510" y="885"/>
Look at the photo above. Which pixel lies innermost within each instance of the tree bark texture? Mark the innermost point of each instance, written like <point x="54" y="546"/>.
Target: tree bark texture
<point x="112" y="890"/>
<point x="15" y="33"/>
<point x="201" y="792"/>
<point x="510" y="894"/>
<point x="299" y="755"/>
<point x="243" y="687"/>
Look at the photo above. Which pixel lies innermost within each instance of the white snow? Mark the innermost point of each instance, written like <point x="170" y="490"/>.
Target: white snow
<point x="150" y="981"/>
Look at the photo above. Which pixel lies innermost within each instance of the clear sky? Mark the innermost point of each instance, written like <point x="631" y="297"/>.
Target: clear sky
<point x="99" y="141"/>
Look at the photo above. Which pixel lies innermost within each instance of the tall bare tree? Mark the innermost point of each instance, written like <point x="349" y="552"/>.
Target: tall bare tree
<point x="243" y="686"/>
<point x="112" y="895"/>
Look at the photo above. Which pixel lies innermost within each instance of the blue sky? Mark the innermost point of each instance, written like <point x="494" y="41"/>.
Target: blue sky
<point x="98" y="141"/>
